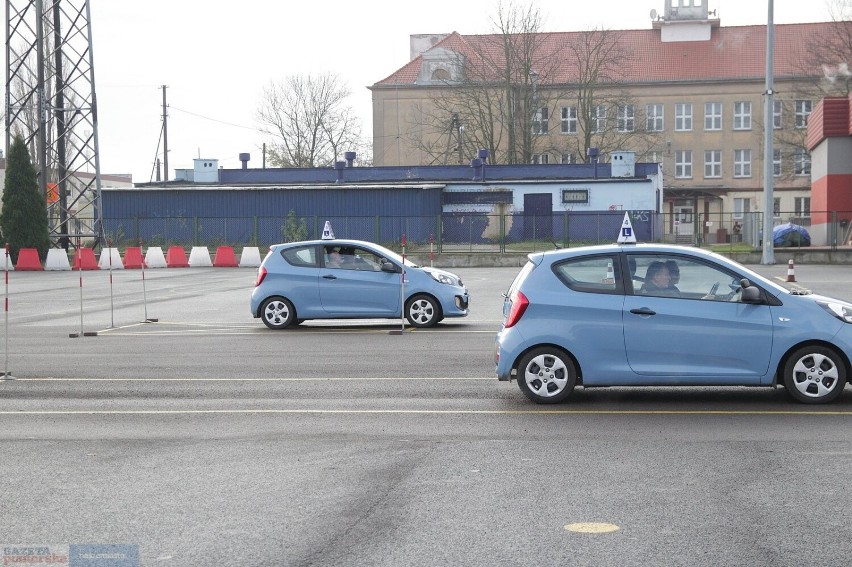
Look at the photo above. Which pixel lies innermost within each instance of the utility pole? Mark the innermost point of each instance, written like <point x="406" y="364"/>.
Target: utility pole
<point x="768" y="256"/>
<point x="165" y="138"/>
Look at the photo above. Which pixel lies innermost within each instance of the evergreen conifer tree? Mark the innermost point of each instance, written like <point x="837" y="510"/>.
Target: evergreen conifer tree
<point x="23" y="220"/>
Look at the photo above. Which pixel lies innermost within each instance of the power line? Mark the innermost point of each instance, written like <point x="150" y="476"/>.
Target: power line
<point x="215" y="119"/>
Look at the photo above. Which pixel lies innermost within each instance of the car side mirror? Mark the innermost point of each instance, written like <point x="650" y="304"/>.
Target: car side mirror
<point x="389" y="267"/>
<point x="750" y="293"/>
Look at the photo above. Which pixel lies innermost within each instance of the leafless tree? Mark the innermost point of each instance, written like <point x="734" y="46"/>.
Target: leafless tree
<point x="309" y="121"/>
<point x="512" y="91"/>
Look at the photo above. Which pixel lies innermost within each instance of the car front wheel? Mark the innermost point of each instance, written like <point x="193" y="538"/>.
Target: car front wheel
<point x="814" y="375"/>
<point x="277" y="313"/>
<point x="423" y="311"/>
<point x="547" y="375"/>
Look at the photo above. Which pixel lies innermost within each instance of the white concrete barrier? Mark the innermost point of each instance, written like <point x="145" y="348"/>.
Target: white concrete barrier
<point x="250" y="257"/>
<point x="57" y="259"/>
<point x="154" y="257"/>
<point x="110" y="255"/>
<point x="199" y="257"/>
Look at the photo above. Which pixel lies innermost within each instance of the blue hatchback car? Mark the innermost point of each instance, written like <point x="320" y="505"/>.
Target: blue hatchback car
<point x="655" y="315"/>
<point x="347" y="279"/>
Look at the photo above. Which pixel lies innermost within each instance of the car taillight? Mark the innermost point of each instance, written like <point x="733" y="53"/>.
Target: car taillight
<point x="261" y="273"/>
<point x="519" y="305"/>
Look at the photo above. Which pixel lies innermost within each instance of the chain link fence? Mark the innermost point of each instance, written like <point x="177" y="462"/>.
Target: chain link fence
<point x="474" y="232"/>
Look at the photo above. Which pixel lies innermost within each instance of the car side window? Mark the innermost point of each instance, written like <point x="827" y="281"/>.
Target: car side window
<point x="597" y="274"/>
<point x="357" y="258"/>
<point x="664" y="275"/>
<point x="305" y="256"/>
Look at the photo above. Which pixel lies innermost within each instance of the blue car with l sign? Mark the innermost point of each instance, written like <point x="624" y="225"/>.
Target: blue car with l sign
<point x="349" y="279"/>
<point x="657" y="315"/>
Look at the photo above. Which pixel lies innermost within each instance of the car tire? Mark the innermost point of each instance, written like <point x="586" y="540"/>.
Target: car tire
<point x="423" y="311"/>
<point x="814" y="375"/>
<point x="277" y="313"/>
<point x="546" y="375"/>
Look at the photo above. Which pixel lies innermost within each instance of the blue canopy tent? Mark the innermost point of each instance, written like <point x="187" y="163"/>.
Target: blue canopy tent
<point x="790" y="235"/>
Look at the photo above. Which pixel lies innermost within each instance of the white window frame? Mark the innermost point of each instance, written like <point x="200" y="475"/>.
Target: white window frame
<point x="803" y="110"/>
<point x="539" y="122"/>
<point x="712" y="116"/>
<point x="683" y="117"/>
<point x="742" y="205"/>
<point x="742" y="163"/>
<point x="802" y="206"/>
<point x="569" y="120"/>
<point x="626" y="119"/>
<point x="654" y="114"/>
<point x="683" y="164"/>
<point x="776" y="162"/>
<point x="712" y="164"/>
<point x="568" y="157"/>
<point x="600" y="118"/>
<point x="540" y="159"/>
<point x="742" y="115"/>
<point x="801" y="162"/>
<point x="776" y="207"/>
<point x="777" y="114"/>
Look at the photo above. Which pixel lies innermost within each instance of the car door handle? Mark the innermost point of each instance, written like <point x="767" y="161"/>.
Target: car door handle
<point x="329" y="277"/>
<point x="643" y="311"/>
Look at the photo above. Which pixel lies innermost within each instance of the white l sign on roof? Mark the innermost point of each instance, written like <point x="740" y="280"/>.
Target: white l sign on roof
<point x="626" y="235"/>
<point x="327" y="233"/>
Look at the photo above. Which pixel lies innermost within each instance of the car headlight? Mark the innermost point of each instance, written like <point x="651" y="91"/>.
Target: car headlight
<point x="842" y="311"/>
<point x="444" y="278"/>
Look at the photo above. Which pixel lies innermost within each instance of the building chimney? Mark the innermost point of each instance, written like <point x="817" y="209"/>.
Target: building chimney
<point x="245" y="159"/>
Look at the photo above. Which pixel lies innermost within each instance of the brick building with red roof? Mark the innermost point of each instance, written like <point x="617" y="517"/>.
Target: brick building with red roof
<point x="691" y="97"/>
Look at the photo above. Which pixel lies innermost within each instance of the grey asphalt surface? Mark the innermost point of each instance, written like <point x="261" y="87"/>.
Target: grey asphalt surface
<point x="206" y="438"/>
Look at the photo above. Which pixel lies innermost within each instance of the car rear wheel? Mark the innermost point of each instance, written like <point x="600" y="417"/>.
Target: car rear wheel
<point x="277" y="313"/>
<point x="423" y="311"/>
<point x="814" y="375"/>
<point x="547" y="375"/>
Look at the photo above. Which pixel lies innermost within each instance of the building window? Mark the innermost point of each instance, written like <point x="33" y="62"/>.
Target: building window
<point x="712" y="115"/>
<point x="600" y="119"/>
<point x="539" y="124"/>
<point x="741" y="207"/>
<point x="575" y="196"/>
<point x="654" y="118"/>
<point x="683" y="164"/>
<point x="803" y="110"/>
<point x="777" y="109"/>
<point x="569" y="120"/>
<point x="712" y="163"/>
<point x="776" y="163"/>
<point x="801" y="162"/>
<point x="683" y="116"/>
<point x="776" y="207"/>
<point x="742" y="115"/>
<point x="568" y="157"/>
<point x="626" y="118"/>
<point x="742" y="163"/>
<point x="803" y="206"/>
<point x="540" y="159"/>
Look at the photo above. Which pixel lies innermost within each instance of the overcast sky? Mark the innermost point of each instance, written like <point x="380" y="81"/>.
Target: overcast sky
<point x="216" y="57"/>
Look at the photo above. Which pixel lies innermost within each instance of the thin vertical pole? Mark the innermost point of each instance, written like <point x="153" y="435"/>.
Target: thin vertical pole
<point x="768" y="256"/>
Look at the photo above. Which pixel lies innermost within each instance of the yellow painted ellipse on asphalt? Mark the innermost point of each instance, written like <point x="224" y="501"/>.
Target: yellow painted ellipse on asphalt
<point x="591" y="527"/>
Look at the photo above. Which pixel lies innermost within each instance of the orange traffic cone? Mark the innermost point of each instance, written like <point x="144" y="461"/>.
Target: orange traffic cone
<point x="791" y="271"/>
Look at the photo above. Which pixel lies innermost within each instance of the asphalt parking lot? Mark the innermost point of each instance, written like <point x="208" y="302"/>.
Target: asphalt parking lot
<point x="204" y="437"/>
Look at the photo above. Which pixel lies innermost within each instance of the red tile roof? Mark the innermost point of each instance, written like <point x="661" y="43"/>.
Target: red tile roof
<point x="732" y="53"/>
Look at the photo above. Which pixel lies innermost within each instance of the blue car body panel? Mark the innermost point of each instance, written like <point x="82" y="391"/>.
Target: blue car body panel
<point x="320" y="292"/>
<point x="623" y="338"/>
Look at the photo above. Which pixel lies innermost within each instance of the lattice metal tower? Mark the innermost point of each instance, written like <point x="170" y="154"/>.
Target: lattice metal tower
<point x="51" y="103"/>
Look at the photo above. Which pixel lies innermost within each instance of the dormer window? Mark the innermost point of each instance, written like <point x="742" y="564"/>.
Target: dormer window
<point x="440" y="74"/>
